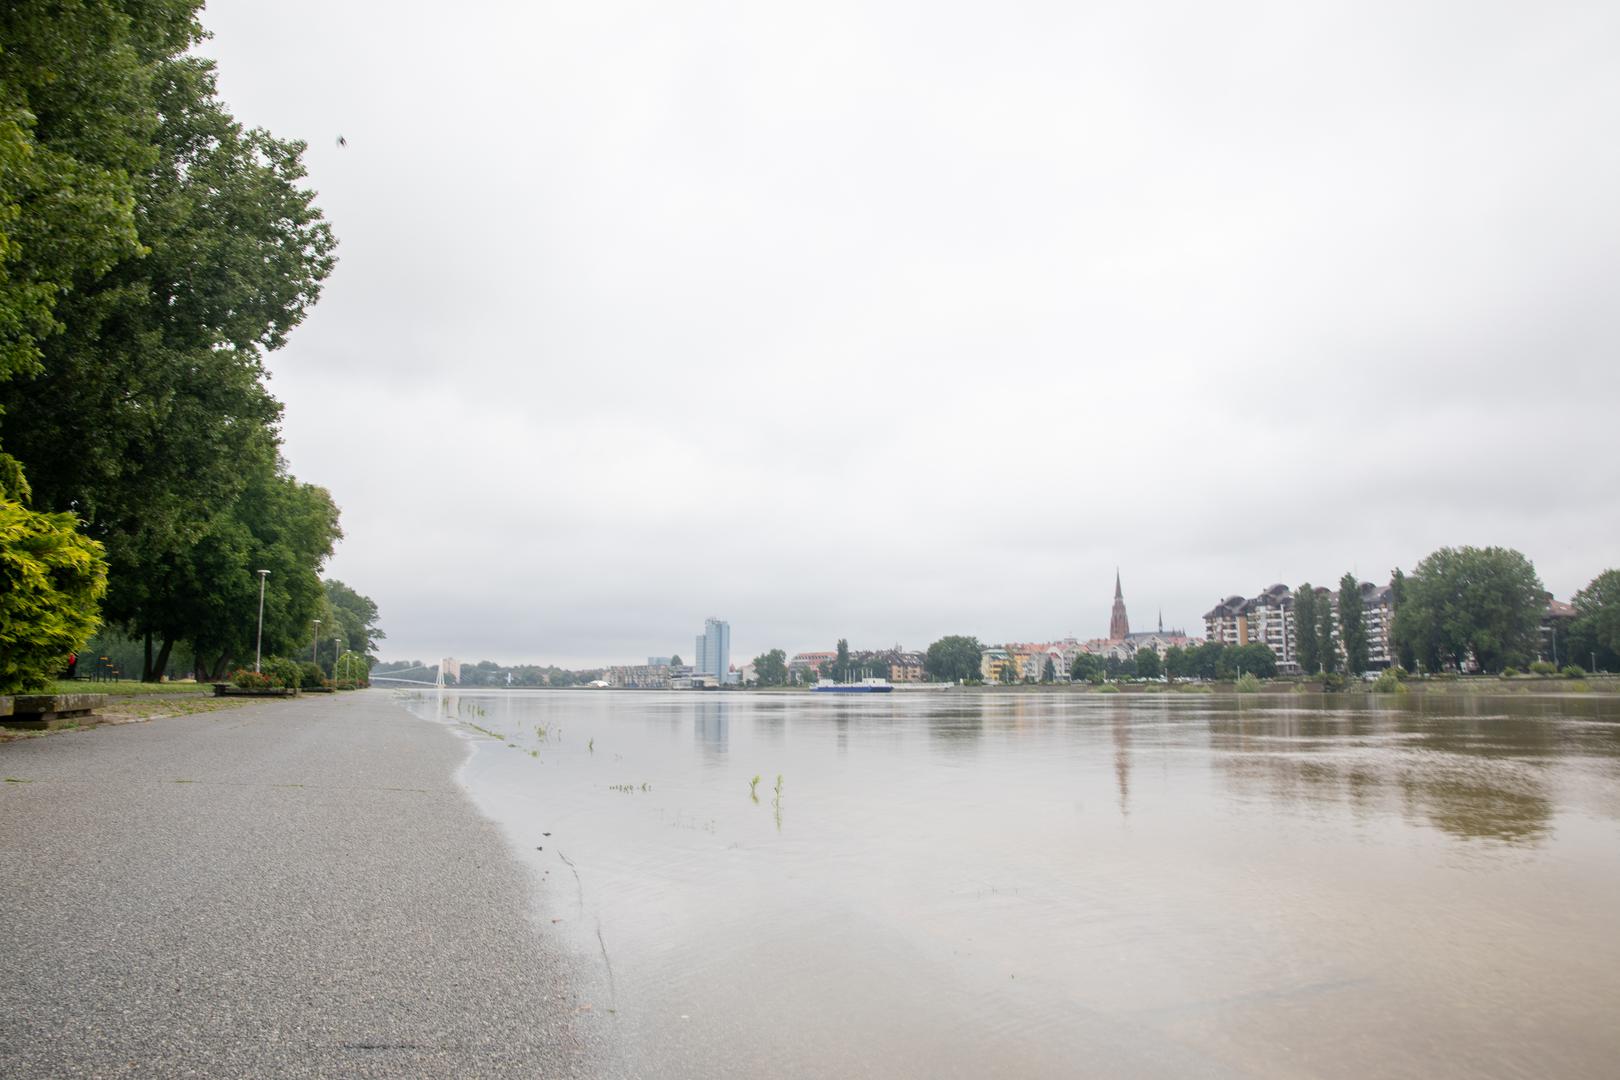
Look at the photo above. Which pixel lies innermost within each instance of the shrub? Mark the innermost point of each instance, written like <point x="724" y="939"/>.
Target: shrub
<point x="1332" y="681"/>
<point x="250" y="680"/>
<point x="1247" y="684"/>
<point x="1542" y="667"/>
<point x="311" y="675"/>
<point x="51" y="583"/>
<point x="1573" y="671"/>
<point x="1510" y="673"/>
<point x="283" y="672"/>
<point x="1107" y="688"/>
<point x="1580" y="686"/>
<point x="1400" y="673"/>
<point x="1388" y="683"/>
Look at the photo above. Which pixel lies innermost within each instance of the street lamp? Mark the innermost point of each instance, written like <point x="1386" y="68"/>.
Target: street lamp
<point x="258" y="645"/>
<point x="314" y="639"/>
<point x="335" y="651"/>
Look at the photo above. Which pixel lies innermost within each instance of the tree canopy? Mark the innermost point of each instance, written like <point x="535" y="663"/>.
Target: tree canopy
<point x="770" y="668"/>
<point x="1483" y="603"/>
<point x="152" y="249"/>
<point x="953" y="658"/>
<point x="1352" y="630"/>
<point x="1595" y="635"/>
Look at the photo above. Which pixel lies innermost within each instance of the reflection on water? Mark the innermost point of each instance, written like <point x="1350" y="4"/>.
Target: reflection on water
<point x="1004" y="883"/>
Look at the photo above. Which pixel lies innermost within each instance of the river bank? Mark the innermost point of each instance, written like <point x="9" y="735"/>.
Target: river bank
<point x="287" y="888"/>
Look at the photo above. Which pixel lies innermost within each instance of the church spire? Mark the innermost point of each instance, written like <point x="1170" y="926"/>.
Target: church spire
<point x="1119" y="627"/>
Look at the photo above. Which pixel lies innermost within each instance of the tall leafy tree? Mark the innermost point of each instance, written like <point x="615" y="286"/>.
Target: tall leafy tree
<point x="353" y="617"/>
<point x="1352" y="627"/>
<point x="1402" y="648"/>
<point x="953" y="658"/>
<point x="1148" y="664"/>
<point x="770" y="668"/>
<point x="1595" y="635"/>
<point x="78" y="113"/>
<point x="1327" y="649"/>
<point x="156" y="380"/>
<point x="1483" y="603"/>
<point x="1305" y="633"/>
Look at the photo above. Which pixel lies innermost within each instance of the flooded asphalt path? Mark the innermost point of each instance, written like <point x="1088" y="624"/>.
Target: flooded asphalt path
<point x="287" y="889"/>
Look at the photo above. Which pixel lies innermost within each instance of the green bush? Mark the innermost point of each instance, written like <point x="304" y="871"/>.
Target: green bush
<point x="1388" y="683"/>
<point x="1510" y="673"/>
<point x="283" y="672"/>
<point x="1247" y="684"/>
<point x="311" y="675"/>
<point x="1573" y="671"/>
<point x="1107" y="688"/>
<point x="1400" y="673"/>
<point x="1333" y="681"/>
<point x="245" y="679"/>
<point x="1542" y="667"/>
<point x="51" y="583"/>
<point x="1580" y="686"/>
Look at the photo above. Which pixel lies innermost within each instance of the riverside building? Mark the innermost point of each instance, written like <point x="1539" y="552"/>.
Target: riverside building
<point x="713" y="650"/>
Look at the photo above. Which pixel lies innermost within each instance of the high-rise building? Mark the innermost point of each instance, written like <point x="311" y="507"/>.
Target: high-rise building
<point x="713" y="648"/>
<point x="1119" y="627"/>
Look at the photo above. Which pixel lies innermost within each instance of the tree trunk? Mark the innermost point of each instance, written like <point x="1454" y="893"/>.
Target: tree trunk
<point x="146" y="664"/>
<point x="162" y="660"/>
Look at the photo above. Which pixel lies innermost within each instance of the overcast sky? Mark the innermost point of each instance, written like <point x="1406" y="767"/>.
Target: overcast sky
<point x="892" y="320"/>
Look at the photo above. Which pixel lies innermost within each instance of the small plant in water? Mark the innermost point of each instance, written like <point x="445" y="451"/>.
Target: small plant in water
<point x="591" y="746"/>
<point x="753" y="789"/>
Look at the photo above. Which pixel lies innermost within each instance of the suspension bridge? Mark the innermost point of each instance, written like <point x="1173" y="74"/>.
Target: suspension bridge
<point x="449" y="665"/>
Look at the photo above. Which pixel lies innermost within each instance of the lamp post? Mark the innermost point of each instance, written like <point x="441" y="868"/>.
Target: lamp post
<point x="314" y="640"/>
<point x="335" y="652"/>
<point x="258" y="644"/>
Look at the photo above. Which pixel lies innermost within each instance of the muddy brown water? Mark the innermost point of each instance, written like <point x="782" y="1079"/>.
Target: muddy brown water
<point x="1008" y="884"/>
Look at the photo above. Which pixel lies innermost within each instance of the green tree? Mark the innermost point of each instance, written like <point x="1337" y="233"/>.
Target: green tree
<point x="1175" y="662"/>
<point x="1085" y="666"/>
<point x="1257" y="659"/>
<point x="156" y="379"/>
<point x="1009" y="671"/>
<point x="351" y="616"/>
<point x="675" y="661"/>
<point x="1596" y="629"/>
<point x="51" y="579"/>
<point x="1327" y="648"/>
<point x="1206" y="659"/>
<point x="954" y="658"/>
<point x="1479" y="602"/>
<point x="1306" y="651"/>
<point x="1404" y="653"/>
<point x="78" y="113"/>
<point x="771" y="668"/>
<point x="1148" y="664"/>
<point x="1352" y="628"/>
<point x="1049" y="672"/>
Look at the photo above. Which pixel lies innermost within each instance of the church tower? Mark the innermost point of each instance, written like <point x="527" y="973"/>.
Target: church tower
<point x="1119" y="627"/>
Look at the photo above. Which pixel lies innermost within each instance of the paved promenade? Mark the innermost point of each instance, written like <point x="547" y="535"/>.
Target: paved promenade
<point x="288" y="889"/>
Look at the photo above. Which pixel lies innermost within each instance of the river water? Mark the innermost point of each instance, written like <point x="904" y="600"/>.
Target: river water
<point x="1022" y="884"/>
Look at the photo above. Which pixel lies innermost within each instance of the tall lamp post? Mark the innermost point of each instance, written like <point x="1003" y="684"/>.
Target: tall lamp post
<point x="335" y="652"/>
<point x="258" y="644"/>
<point x="314" y="641"/>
